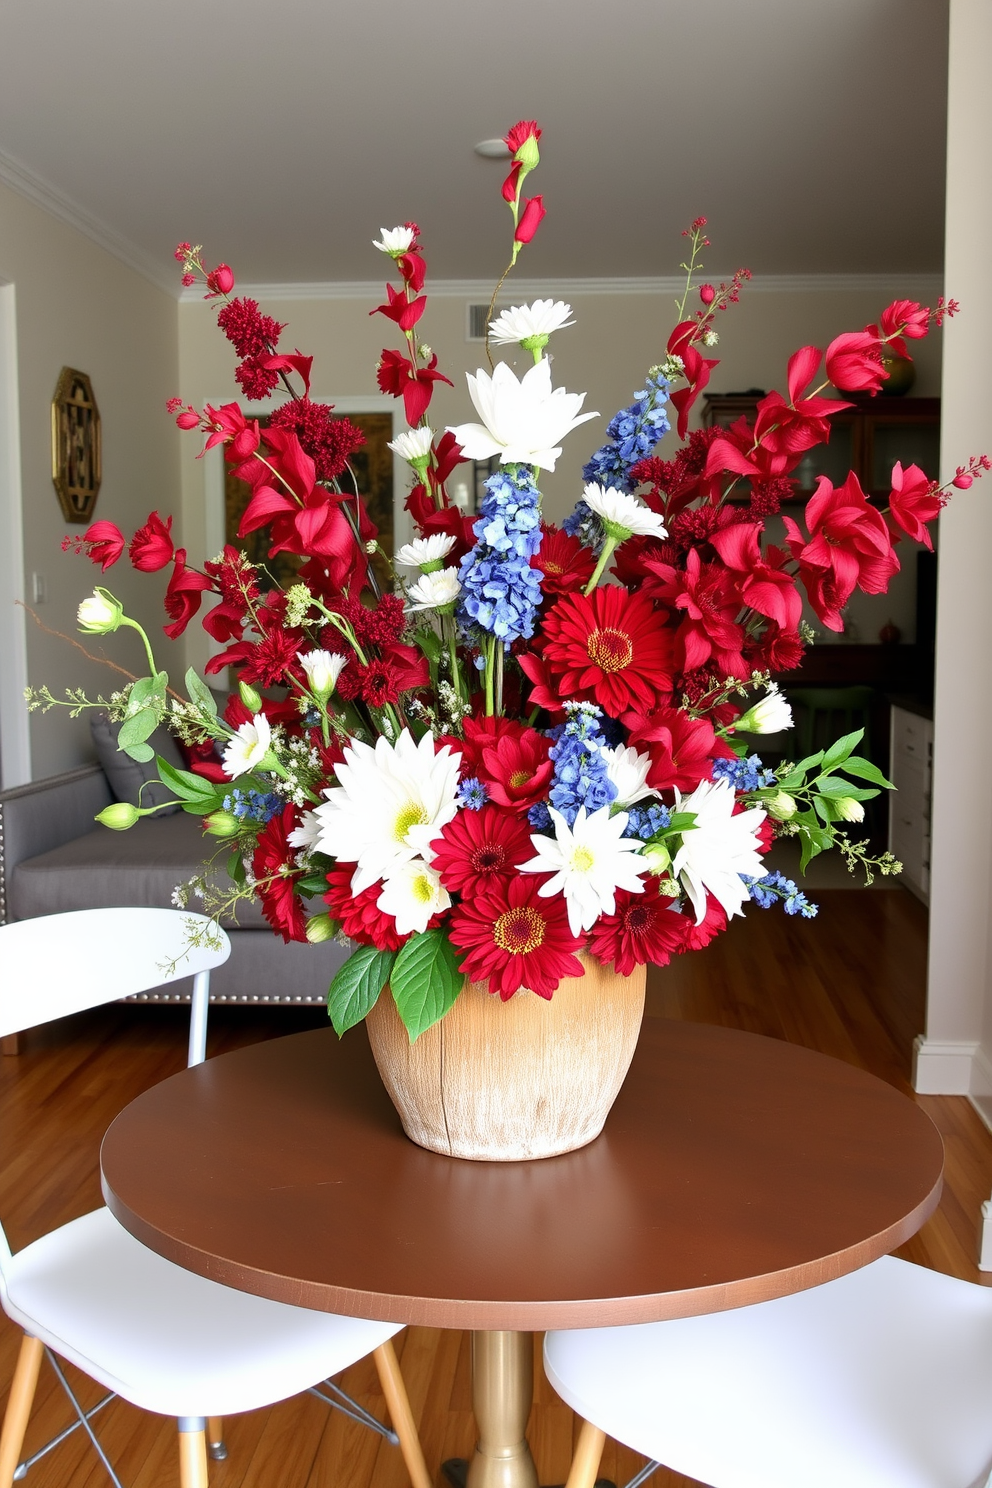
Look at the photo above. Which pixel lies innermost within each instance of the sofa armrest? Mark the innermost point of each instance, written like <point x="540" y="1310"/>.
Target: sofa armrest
<point x="45" y="814"/>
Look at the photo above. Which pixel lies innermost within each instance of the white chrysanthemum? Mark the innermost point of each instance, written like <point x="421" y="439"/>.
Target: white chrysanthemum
<point x="433" y="591"/>
<point x="628" y="770"/>
<point x="413" y="445"/>
<point x="590" y="860"/>
<point x="322" y="668"/>
<point x="425" y="552"/>
<point x="413" y="894"/>
<point x="394" y="240"/>
<point x="624" y="513"/>
<point x="390" y="804"/>
<point x="769" y="715"/>
<point x="718" y="849"/>
<point x="307" y="833"/>
<point x="534" y="323"/>
<point x="522" y="421"/>
<point x="248" y="747"/>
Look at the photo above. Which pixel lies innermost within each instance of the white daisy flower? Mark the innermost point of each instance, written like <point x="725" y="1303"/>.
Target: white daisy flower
<point x="590" y="860"/>
<point x="307" y="833"/>
<point x="426" y="553"/>
<point x="718" y="849"/>
<point x="530" y="325"/>
<point x="395" y="240"/>
<point x="248" y="746"/>
<point x="522" y="420"/>
<point x="628" y="770"/>
<point x="322" y="668"/>
<point x="391" y="802"/>
<point x="433" y="591"/>
<point x="622" y="515"/>
<point x="414" y="445"/>
<point x="413" y="894"/>
<point x="769" y="715"/>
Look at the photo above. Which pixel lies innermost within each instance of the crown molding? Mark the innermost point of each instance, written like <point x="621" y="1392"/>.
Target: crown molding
<point x="53" y="201"/>
<point x="908" y="286"/>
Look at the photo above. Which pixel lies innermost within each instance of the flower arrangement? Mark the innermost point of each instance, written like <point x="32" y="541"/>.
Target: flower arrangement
<point x="532" y="741"/>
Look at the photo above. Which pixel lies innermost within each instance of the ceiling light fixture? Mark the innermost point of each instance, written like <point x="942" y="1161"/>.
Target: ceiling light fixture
<point x="493" y="149"/>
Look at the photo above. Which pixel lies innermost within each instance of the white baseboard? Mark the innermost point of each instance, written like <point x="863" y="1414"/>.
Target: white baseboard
<point x="945" y="1068"/>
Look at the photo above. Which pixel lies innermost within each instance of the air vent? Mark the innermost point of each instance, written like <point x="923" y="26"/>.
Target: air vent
<point x="478" y="318"/>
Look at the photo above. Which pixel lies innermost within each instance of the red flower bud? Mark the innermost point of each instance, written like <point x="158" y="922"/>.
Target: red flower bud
<point x="530" y="221"/>
<point x="707" y="294"/>
<point x="963" y="480"/>
<point x="188" y="419"/>
<point x="151" y="546"/>
<point x="221" y="281"/>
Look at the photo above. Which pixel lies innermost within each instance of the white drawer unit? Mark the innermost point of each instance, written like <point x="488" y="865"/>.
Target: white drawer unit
<point x="910" y="770"/>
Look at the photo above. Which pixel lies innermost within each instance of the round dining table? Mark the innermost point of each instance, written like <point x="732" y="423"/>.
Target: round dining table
<point x="733" y="1168"/>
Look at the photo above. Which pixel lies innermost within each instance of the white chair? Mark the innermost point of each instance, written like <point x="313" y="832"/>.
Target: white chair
<point x="882" y="1379"/>
<point x="163" y="1338"/>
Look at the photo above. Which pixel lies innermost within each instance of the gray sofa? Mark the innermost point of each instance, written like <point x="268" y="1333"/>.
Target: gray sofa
<point x="54" y="857"/>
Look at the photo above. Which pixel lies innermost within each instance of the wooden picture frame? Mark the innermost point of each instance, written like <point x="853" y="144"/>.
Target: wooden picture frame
<point x="76" y="445"/>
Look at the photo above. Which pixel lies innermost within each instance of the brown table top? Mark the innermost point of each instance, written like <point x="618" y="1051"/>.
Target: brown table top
<point x="732" y="1168"/>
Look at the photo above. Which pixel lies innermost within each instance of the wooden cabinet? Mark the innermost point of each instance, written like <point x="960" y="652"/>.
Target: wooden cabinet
<point x="910" y="770"/>
<point x="867" y="438"/>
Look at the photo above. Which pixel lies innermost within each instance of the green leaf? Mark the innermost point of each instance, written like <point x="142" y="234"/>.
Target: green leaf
<point x="185" y="784"/>
<point x="815" y="839"/>
<point x="838" y="752"/>
<point x="425" y="980"/>
<point x="429" y="642"/>
<point x="836" y="787"/>
<point x="357" y="985"/>
<point x="148" y="689"/>
<point x="865" y="770"/>
<point x="140" y="752"/>
<point x="235" y="867"/>
<point x="136" y="729"/>
<point x="314" y="883"/>
<point x="681" y="821"/>
<point x="199" y="693"/>
<point x="805" y="765"/>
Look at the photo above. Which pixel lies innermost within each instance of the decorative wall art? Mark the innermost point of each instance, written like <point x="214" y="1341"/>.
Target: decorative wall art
<point x="76" y="453"/>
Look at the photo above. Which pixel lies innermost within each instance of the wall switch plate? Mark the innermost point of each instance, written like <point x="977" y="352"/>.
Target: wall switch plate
<point x="39" y="588"/>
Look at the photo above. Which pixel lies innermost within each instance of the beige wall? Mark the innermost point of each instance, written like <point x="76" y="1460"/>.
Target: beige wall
<point x="78" y="306"/>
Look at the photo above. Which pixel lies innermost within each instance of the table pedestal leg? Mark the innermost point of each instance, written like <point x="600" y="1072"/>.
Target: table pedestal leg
<point x="502" y="1395"/>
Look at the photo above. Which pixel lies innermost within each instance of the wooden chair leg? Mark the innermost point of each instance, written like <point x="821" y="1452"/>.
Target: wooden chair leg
<point x="19" y="1405"/>
<point x="398" y="1405"/>
<point x="192" y="1455"/>
<point x="216" y="1446"/>
<point x="588" y="1454"/>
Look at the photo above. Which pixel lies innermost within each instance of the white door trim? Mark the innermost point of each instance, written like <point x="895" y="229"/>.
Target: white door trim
<point x="15" y="732"/>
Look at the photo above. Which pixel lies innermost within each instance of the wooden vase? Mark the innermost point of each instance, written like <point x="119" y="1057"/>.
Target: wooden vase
<point x="511" y="1081"/>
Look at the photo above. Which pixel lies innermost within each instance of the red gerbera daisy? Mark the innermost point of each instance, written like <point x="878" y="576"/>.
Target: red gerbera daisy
<point x="479" y="847"/>
<point x="273" y="865"/>
<point x="517" y="771"/>
<point x="514" y="938"/>
<point x="358" y="915"/>
<point x="643" y="928"/>
<point x="564" y="561"/>
<point x="608" y="647"/>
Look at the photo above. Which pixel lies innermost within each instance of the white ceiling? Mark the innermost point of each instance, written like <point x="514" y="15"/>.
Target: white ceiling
<point x="284" y="135"/>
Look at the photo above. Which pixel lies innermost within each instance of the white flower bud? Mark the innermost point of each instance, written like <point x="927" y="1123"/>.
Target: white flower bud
<point x="769" y="715"/>
<point x="848" y="809"/>
<point x="100" y="613"/>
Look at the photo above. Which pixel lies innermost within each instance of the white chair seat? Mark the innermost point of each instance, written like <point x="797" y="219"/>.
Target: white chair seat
<point x="166" y="1339"/>
<point x="882" y="1379"/>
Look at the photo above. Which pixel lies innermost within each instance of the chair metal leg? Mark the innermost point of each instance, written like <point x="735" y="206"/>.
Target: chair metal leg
<point x="192" y="1452"/>
<point x="56" y="1441"/>
<point x="83" y="1419"/>
<point x="15" y="1420"/>
<point x="398" y="1405"/>
<point x="588" y="1452"/>
<point x="216" y="1445"/>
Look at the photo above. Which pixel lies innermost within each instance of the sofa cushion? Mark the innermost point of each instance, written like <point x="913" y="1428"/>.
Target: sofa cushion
<point x="126" y="775"/>
<point x="104" y="868"/>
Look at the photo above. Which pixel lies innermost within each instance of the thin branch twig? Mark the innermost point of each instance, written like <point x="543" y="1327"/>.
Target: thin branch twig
<point x="100" y="660"/>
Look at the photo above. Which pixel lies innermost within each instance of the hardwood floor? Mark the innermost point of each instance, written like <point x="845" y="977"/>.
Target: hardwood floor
<point x="850" y="983"/>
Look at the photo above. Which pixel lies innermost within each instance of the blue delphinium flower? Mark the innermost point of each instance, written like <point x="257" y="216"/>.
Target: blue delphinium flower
<point x="472" y="794"/>
<point x="253" y="806"/>
<point x="632" y="435"/>
<point x="580" y="777"/>
<point x="775" y="887"/>
<point x="500" y="591"/>
<point x="645" y="821"/>
<point x="744" y="774"/>
<point x="540" y="817"/>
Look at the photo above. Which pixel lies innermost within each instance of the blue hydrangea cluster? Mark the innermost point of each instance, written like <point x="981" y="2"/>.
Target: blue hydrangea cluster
<point x="472" y="794"/>
<point x="632" y="435"/>
<point x="540" y="817"/>
<point x="744" y="774"/>
<point x="580" y="777"/>
<point x="500" y="591"/>
<point x="645" y="821"/>
<point x="253" y="806"/>
<point x="774" y="888"/>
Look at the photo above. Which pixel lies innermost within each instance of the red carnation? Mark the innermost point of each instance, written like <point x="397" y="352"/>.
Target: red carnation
<point x="328" y="441"/>
<point x="151" y="546"/>
<point x="478" y="847"/>
<point x="249" y="331"/>
<point x="255" y="379"/>
<point x="913" y="502"/>
<point x="183" y="596"/>
<point x="607" y="647"/>
<point x="104" y="543"/>
<point x="565" y="563"/>
<point x="513" y="938"/>
<point x="708" y="597"/>
<point x="276" y="872"/>
<point x="359" y="917"/>
<point x="643" y="928"/>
